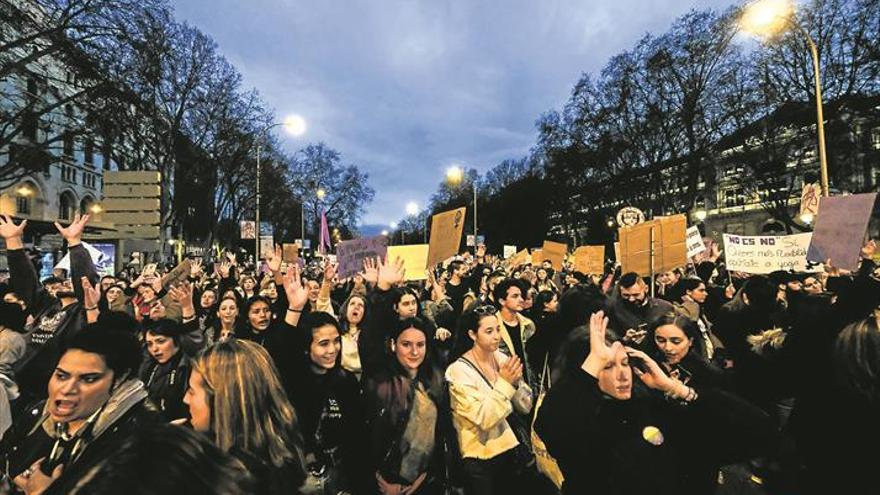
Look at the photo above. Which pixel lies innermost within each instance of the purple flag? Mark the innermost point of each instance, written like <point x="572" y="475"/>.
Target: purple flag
<point x="324" y="247"/>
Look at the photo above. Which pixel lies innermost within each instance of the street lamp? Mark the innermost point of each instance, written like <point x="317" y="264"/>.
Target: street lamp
<point x="412" y="208"/>
<point x="295" y="126"/>
<point x="24" y="191"/>
<point x="806" y="217"/>
<point x="455" y="175"/>
<point x="700" y="215"/>
<point x="768" y="17"/>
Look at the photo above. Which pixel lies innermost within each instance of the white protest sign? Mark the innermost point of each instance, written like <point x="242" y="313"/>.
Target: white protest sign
<point x="509" y="251"/>
<point x="767" y="254"/>
<point x="94" y="253"/>
<point x="694" y="242"/>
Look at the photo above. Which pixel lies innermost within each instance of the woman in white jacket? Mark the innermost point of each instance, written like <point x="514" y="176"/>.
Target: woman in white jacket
<point x="485" y="386"/>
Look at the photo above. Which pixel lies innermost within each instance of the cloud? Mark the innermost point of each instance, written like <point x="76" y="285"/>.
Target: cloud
<point x="404" y="88"/>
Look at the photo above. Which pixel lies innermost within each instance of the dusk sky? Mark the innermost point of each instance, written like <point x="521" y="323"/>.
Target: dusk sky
<point x="404" y="89"/>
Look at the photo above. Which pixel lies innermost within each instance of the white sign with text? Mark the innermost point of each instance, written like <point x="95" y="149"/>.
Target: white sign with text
<point x="767" y="254"/>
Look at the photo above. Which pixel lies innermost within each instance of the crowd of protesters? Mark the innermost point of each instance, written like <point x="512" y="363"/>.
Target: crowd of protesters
<point x="484" y="378"/>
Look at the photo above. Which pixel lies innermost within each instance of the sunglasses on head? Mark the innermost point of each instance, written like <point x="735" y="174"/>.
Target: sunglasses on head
<point x="485" y="310"/>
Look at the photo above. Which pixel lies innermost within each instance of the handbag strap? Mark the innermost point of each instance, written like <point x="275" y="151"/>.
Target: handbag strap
<point x="477" y="369"/>
<point x="545" y="375"/>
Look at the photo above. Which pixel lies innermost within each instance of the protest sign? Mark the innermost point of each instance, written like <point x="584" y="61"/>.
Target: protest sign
<point x="289" y="253"/>
<point x="589" y="259"/>
<point x="667" y="252"/>
<point x="617" y="252"/>
<point x="555" y="253"/>
<point x="177" y="275"/>
<point x="267" y="245"/>
<point x="415" y="259"/>
<point x="767" y="254"/>
<point x="509" y="251"/>
<point x="537" y="256"/>
<point x="810" y="195"/>
<point x="520" y="258"/>
<point x="840" y="230"/>
<point x="446" y="231"/>
<point x="695" y="244"/>
<point x="248" y="229"/>
<point x="351" y="254"/>
<point x="96" y="254"/>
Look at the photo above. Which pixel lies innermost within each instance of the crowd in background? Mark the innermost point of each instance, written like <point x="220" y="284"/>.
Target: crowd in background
<point x="221" y="376"/>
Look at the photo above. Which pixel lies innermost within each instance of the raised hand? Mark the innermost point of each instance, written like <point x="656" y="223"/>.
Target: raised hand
<point x="869" y="249"/>
<point x="182" y="294"/>
<point x="371" y="270"/>
<point x="600" y="353"/>
<point x="273" y="259"/>
<point x="195" y="268"/>
<point x="73" y="232"/>
<point x="391" y="273"/>
<point x="9" y="229"/>
<point x="329" y="272"/>
<point x="653" y="376"/>
<point x="223" y="269"/>
<point x="511" y="370"/>
<point x="91" y="294"/>
<point x="297" y="295"/>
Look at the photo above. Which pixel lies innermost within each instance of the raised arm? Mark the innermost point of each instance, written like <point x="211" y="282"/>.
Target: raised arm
<point x="81" y="264"/>
<point x="21" y="272"/>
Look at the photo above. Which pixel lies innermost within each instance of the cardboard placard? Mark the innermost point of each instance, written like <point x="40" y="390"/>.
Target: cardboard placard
<point x="767" y="254"/>
<point x="840" y="230"/>
<point x="509" y="251"/>
<point x="267" y="245"/>
<point x="668" y="249"/>
<point x="351" y="254"/>
<point x="520" y="258"/>
<point x="810" y="197"/>
<point x="695" y="244"/>
<point x="177" y="275"/>
<point x="289" y="253"/>
<point x="589" y="259"/>
<point x="446" y="229"/>
<point x="617" y="252"/>
<point x="555" y="253"/>
<point x="415" y="259"/>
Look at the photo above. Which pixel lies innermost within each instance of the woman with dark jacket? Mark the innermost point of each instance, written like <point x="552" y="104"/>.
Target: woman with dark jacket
<point x="408" y="415"/>
<point x="165" y="368"/>
<point x="675" y="342"/>
<point x="608" y="441"/>
<point x="94" y="402"/>
<point x="329" y="403"/>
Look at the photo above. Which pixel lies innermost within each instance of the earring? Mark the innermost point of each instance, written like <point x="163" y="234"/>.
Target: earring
<point x="393" y="347"/>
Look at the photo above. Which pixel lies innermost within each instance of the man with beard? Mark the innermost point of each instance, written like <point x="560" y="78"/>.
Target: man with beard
<point x="631" y="309"/>
<point x="57" y="312"/>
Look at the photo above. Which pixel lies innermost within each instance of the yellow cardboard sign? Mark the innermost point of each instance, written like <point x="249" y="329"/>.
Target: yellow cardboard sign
<point x="589" y="259"/>
<point x="555" y="253"/>
<point x="669" y="246"/>
<point x="446" y="231"/>
<point x="520" y="258"/>
<point x="415" y="259"/>
<point x="289" y="253"/>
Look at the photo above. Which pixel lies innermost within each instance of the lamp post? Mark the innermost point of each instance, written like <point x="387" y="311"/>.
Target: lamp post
<point x="767" y="17"/>
<point x="295" y="126"/>
<point x="455" y="175"/>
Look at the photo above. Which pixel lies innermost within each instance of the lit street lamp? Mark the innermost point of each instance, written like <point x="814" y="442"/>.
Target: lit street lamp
<point x="295" y="126"/>
<point x="768" y="17"/>
<point x="455" y="175"/>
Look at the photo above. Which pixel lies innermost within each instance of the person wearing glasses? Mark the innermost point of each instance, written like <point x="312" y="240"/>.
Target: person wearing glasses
<point x="485" y="387"/>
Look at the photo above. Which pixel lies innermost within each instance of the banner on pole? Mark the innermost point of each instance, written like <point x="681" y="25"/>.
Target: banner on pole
<point x="766" y="254"/>
<point x="669" y="251"/>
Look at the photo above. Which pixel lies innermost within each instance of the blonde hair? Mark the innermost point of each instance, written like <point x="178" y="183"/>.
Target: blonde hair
<point x="249" y="408"/>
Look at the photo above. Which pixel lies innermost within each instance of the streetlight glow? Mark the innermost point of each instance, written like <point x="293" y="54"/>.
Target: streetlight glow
<point x="393" y="225"/>
<point x="807" y="218"/>
<point x="700" y="215"/>
<point x="295" y="125"/>
<point x="766" y="17"/>
<point x="455" y="174"/>
<point x="96" y="209"/>
<point x="24" y="190"/>
<point x="321" y="193"/>
<point x="412" y="208"/>
<point x="385" y="233"/>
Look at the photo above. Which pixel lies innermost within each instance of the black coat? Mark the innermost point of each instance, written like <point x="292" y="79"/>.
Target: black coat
<point x="600" y="445"/>
<point x="20" y="448"/>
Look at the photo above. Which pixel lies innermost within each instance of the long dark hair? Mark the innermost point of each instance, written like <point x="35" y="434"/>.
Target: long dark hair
<point x="856" y="358"/>
<point x="687" y="326"/>
<point x="469" y="321"/>
<point x="429" y="373"/>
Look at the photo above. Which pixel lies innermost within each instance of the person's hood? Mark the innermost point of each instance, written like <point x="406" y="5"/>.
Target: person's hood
<point x="127" y="395"/>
